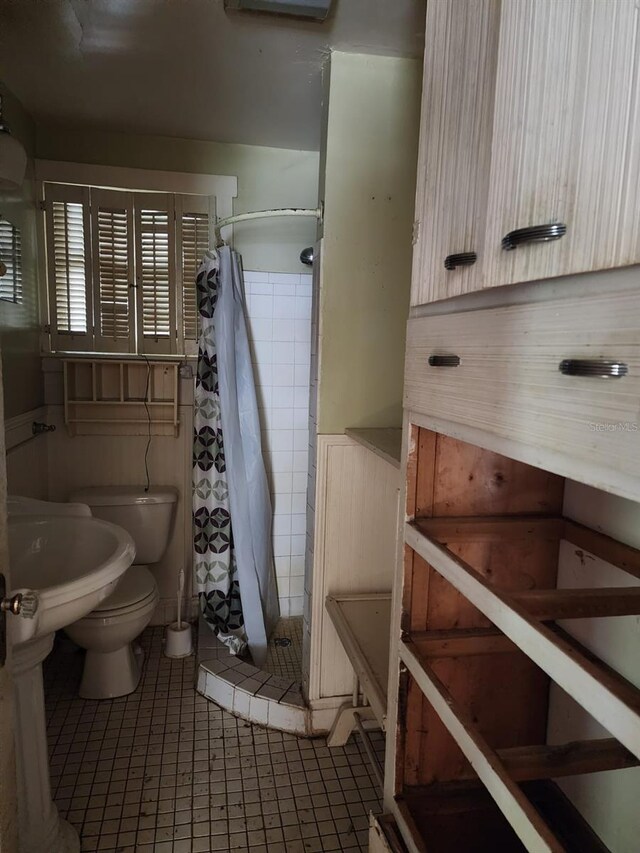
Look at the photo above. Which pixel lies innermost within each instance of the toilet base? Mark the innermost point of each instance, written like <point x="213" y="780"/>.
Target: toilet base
<point x="107" y="675"/>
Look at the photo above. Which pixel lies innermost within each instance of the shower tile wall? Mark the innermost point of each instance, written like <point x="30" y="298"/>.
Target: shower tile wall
<point x="279" y="313"/>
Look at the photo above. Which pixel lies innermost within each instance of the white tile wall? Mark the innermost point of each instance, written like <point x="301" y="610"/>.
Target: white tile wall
<point x="279" y="315"/>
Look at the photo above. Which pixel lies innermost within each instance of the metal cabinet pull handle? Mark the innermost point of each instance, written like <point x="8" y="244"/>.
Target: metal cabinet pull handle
<point x="462" y="259"/>
<point x="534" y="234"/>
<point x="597" y="368"/>
<point x="444" y="360"/>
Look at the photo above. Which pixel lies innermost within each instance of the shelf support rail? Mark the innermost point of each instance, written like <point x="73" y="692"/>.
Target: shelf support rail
<point x="608" y="697"/>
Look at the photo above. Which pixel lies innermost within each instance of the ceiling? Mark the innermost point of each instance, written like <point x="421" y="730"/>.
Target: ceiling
<point x="187" y="68"/>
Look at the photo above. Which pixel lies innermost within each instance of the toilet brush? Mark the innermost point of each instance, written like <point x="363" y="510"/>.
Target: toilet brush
<point x="180" y="591"/>
<point x="178" y="635"/>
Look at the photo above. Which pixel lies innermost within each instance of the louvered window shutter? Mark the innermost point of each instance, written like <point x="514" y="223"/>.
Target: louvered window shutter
<point x="156" y="273"/>
<point x="113" y="277"/>
<point x="193" y="223"/>
<point x="11" y="257"/>
<point x="69" y="266"/>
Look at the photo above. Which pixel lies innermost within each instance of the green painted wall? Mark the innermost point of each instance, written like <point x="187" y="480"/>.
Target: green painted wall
<point x="267" y="178"/>
<point x="368" y="171"/>
<point x="19" y="325"/>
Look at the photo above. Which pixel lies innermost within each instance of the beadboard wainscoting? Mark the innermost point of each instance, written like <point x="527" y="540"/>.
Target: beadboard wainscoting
<point x="356" y="510"/>
<point x="26" y="455"/>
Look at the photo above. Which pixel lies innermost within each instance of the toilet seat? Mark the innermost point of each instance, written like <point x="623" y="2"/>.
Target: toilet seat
<point x="136" y="588"/>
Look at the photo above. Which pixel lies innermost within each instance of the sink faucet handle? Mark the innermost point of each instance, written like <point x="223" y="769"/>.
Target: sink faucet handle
<point x="23" y="604"/>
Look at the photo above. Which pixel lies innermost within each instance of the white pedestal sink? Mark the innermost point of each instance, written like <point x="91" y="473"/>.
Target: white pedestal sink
<point x="71" y="563"/>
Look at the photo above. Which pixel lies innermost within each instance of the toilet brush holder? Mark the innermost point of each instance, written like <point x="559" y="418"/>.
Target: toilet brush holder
<point x="177" y="640"/>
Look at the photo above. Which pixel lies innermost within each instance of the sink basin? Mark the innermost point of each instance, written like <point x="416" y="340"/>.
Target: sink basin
<point x="72" y="563"/>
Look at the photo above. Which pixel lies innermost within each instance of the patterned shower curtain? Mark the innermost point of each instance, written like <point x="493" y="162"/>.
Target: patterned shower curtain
<point x="233" y="560"/>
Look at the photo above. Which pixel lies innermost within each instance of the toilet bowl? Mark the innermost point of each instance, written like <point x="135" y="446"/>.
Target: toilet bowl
<point x="113" y="666"/>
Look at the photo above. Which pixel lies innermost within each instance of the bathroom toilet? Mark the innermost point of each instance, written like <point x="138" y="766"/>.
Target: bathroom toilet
<point x="113" y="666"/>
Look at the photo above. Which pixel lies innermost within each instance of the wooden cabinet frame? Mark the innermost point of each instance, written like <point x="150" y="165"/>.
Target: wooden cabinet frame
<point x="475" y="645"/>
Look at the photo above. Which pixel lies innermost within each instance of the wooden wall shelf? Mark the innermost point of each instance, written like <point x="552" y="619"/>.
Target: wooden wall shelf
<point x="609" y="698"/>
<point x="121" y="395"/>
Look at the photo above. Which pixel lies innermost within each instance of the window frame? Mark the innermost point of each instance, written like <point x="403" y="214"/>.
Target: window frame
<point x="12" y="279"/>
<point x="185" y="204"/>
<point x="146" y="344"/>
<point x="69" y="341"/>
<point x="99" y="199"/>
<point x="219" y="190"/>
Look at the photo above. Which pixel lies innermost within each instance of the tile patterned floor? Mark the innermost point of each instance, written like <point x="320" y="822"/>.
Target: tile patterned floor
<point x="286" y="660"/>
<point x="165" y="770"/>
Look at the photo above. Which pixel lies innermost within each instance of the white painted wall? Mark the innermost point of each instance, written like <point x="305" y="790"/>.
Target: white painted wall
<point x="609" y="801"/>
<point x="267" y="178"/>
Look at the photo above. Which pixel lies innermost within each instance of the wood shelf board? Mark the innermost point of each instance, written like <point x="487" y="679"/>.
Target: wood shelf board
<point x="115" y="402"/>
<point x="605" y="695"/>
<point x="363" y="624"/>
<point x="462" y="816"/>
<point x="552" y="604"/>
<point x="169" y="361"/>
<point x="568" y="759"/>
<point x="152" y="421"/>
<point x="619" y="554"/>
<point x="504" y="527"/>
<point x="511" y="801"/>
<point x="463" y="642"/>
<point x="114" y="386"/>
<point x="384" y="442"/>
<point x="449" y="819"/>
<point x="481" y="528"/>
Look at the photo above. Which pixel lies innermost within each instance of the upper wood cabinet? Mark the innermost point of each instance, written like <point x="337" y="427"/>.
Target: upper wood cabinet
<point x="531" y="119"/>
<point x="455" y="146"/>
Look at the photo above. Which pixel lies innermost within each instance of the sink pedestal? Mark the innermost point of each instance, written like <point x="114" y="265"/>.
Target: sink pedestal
<point x="40" y="826"/>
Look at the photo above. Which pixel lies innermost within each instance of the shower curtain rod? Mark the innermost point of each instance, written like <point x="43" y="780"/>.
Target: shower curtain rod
<point x="264" y="214"/>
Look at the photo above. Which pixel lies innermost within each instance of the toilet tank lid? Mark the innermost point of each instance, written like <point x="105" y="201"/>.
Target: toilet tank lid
<point x="124" y="495"/>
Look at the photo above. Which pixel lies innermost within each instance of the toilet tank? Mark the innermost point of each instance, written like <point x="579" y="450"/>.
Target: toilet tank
<point x="147" y="516"/>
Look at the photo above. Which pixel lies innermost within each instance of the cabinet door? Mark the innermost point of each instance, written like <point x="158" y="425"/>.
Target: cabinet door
<point x="566" y="138"/>
<point x="455" y="145"/>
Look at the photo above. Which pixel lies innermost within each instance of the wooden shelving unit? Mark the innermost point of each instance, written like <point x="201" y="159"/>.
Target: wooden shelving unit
<point x="124" y="394"/>
<point x="476" y="643"/>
